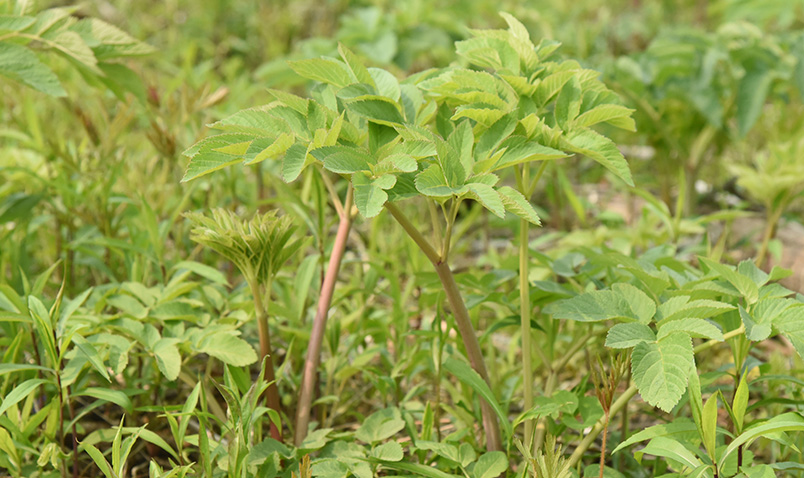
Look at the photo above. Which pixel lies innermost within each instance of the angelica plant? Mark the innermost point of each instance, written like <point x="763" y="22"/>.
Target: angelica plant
<point x="258" y="248"/>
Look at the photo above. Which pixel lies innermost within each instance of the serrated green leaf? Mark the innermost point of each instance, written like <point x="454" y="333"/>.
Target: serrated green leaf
<point x="369" y="197"/>
<point x="681" y="307"/>
<point x="277" y="147"/>
<point x="380" y="426"/>
<point x="377" y="109"/>
<point x="168" y="359"/>
<point x="791" y="325"/>
<point x="660" y="370"/>
<point x="432" y="182"/>
<point x="743" y="284"/>
<point x="229" y="349"/>
<point x="107" y="41"/>
<point x="622" y="301"/>
<point x="603" y="150"/>
<point x="326" y="71"/>
<point x="623" y="336"/>
<point x="15" y="23"/>
<point x="523" y="152"/>
<point x="617" y="115"/>
<point x="22" y="65"/>
<point x="694" y="327"/>
<point x="461" y="141"/>
<point x="396" y="163"/>
<point x="206" y="163"/>
<point x="294" y="162"/>
<point x="386" y="83"/>
<point x="356" y="66"/>
<point x="756" y="332"/>
<point x="568" y="103"/>
<point x="516" y="203"/>
<point x="342" y="159"/>
<point x="490" y="465"/>
<point x="488" y="197"/>
<point x="391" y="451"/>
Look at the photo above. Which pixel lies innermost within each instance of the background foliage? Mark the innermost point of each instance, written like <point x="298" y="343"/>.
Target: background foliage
<point x="660" y="325"/>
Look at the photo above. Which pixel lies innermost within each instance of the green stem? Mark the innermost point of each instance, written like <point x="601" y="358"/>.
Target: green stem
<point x="309" y="375"/>
<point x="524" y="311"/>
<point x="623" y="400"/>
<point x="448" y="234"/>
<point x="462" y="321"/>
<point x="272" y="393"/>
<point x="767" y="236"/>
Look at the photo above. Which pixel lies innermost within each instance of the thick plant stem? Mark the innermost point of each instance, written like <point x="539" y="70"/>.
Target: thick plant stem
<point x="621" y="402"/>
<point x="320" y="322"/>
<point x="272" y="393"/>
<point x="462" y="320"/>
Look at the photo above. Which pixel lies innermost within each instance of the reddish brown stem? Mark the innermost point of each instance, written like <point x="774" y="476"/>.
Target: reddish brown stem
<point x="462" y="320"/>
<point x="603" y="446"/>
<point x="272" y="393"/>
<point x="309" y="376"/>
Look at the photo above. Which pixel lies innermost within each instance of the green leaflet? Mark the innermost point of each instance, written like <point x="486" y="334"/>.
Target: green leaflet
<point x="228" y="349"/>
<point x="391" y="451"/>
<point x="369" y="196"/>
<point x="342" y="159"/>
<point x="490" y="465"/>
<point x="516" y="203"/>
<point x="20" y="64"/>
<point x="568" y="103"/>
<point x="628" y="335"/>
<point x="660" y="370"/>
<point x="622" y="301"/>
<point x="692" y="326"/>
<point x="380" y="426"/>
<point x="488" y="197"/>
<point x="616" y="115"/>
<point x="326" y="71"/>
<point x="167" y="357"/>
<point x="745" y="285"/>
<point x="601" y="149"/>
<point x="377" y="109"/>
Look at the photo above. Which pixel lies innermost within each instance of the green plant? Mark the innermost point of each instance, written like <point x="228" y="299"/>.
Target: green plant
<point x="259" y="248"/>
<point x="481" y="123"/>
<point x="776" y="179"/>
<point x="695" y="92"/>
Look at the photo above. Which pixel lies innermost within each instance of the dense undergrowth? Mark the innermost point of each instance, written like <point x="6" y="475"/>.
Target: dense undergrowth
<point x="363" y="239"/>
